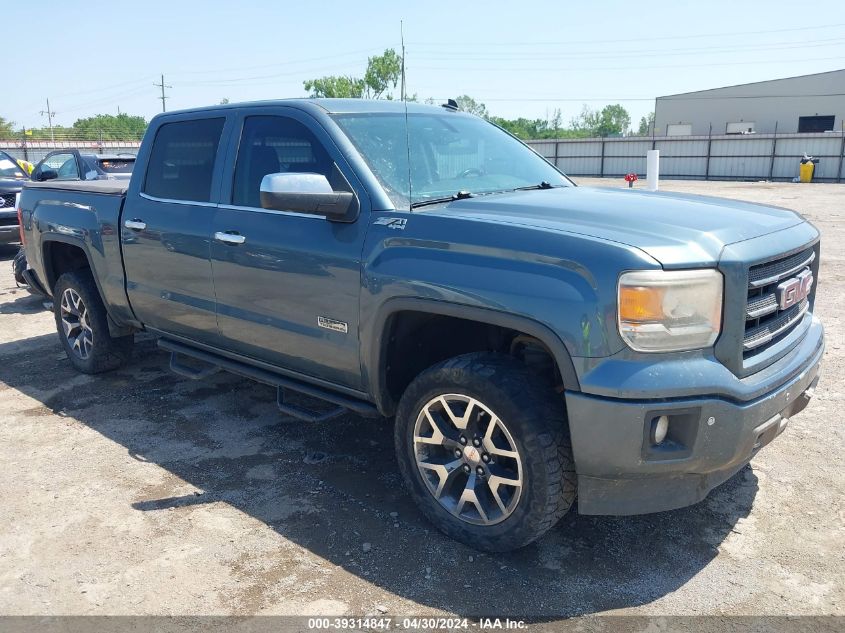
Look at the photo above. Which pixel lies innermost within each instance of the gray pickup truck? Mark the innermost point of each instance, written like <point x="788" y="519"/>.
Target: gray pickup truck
<point x="535" y="341"/>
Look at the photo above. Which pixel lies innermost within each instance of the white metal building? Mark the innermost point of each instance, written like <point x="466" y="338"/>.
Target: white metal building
<point x="808" y="103"/>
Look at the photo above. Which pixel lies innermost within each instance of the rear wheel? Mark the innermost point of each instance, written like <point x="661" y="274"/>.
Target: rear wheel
<point x="484" y="449"/>
<point x="83" y="325"/>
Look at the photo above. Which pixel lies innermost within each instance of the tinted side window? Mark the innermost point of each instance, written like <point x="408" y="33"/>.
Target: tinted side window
<point x="270" y="145"/>
<point x="63" y="164"/>
<point x="182" y="160"/>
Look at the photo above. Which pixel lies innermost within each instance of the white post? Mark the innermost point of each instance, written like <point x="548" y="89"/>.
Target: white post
<point x="652" y="169"/>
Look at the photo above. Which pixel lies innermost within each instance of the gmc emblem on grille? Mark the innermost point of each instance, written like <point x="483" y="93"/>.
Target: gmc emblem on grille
<point x="794" y="290"/>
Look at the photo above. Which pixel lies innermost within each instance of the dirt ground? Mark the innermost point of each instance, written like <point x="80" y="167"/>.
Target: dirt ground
<point x="141" y="492"/>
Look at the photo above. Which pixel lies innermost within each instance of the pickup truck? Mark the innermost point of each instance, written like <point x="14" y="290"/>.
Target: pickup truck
<point x="534" y="340"/>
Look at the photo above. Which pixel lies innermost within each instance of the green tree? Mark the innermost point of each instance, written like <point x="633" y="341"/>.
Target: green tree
<point x="107" y="127"/>
<point x="614" y="120"/>
<point x="334" y="86"/>
<point x="7" y="128"/>
<point x="468" y="104"/>
<point x="611" y="120"/>
<point x="382" y="74"/>
<point x="646" y="124"/>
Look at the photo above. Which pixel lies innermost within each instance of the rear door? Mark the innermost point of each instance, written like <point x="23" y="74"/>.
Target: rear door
<point x="287" y="283"/>
<point x="166" y="227"/>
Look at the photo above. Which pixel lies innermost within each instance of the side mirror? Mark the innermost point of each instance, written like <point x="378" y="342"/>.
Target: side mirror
<point x="309" y="193"/>
<point x="47" y="174"/>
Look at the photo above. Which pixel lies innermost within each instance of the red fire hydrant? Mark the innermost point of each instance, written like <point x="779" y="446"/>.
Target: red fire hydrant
<point x="631" y="179"/>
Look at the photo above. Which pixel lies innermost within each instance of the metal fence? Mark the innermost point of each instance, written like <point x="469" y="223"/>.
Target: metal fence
<point x="34" y="151"/>
<point x="728" y="157"/>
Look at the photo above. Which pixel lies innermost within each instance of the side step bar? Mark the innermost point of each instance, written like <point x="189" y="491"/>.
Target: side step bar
<point x="283" y="383"/>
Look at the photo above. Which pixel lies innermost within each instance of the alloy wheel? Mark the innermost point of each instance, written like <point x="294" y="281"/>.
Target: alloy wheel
<point x="75" y="325"/>
<point x="468" y="459"/>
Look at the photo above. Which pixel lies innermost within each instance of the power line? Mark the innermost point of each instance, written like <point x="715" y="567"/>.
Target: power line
<point x="627" y="54"/>
<point x="669" y="97"/>
<point x="163" y="97"/>
<point x="285" y="64"/>
<point x="562" y="42"/>
<point x="547" y="69"/>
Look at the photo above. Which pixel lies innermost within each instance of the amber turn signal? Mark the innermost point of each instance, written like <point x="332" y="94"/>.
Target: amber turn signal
<point x="639" y="303"/>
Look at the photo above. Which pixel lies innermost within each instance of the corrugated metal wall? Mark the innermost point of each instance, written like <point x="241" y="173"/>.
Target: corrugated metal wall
<point x="730" y="157"/>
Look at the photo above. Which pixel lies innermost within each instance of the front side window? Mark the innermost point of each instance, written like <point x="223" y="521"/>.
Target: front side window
<point x="181" y="164"/>
<point x="63" y="164"/>
<point x="448" y="153"/>
<point x="271" y="145"/>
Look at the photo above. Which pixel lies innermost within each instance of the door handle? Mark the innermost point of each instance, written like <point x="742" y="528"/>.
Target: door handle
<point x="229" y="237"/>
<point x="135" y="224"/>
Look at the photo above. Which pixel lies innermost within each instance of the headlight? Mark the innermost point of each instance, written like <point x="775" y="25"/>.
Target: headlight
<point x="670" y="311"/>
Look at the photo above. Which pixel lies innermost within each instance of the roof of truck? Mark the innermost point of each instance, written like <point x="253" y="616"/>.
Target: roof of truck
<point x="332" y="106"/>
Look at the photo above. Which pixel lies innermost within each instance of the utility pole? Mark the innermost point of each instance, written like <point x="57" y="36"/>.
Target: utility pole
<point x="402" y="36"/>
<point x="50" y="114"/>
<point x="163" y="97"/>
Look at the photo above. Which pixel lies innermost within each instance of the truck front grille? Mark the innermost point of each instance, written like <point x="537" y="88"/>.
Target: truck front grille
<point x="765" y="322"/>
<point x="8" y="201"/>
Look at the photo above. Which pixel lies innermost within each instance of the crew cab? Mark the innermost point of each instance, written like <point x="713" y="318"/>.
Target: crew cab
<point x="534" y="340"/>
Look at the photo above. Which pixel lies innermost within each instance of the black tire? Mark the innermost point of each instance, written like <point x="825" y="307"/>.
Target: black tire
<point x="105" y="352"/>
<point x="19" y="266"/>
<point x="536" y="421"/>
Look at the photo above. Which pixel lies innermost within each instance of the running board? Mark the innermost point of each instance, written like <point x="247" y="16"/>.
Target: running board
<point x="306" y="415"/>
<point x="283" y="383"/>
<point x="194" y="373"/>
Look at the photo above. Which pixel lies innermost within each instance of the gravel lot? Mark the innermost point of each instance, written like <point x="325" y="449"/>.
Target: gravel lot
<point x="141" y="492"/>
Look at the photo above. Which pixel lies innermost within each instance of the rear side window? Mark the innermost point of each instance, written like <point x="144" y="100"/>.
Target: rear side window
<point x="116" y="165"/>
<point x="182" y="160"/>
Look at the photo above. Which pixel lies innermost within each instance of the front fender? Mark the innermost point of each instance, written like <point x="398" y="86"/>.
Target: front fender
<point x="558" y="287"/>
<point x="375" y="342"/>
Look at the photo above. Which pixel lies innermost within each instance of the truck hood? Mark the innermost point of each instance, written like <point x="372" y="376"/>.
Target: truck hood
<point x="678" y="230"/>
<point x="12" y="185"/>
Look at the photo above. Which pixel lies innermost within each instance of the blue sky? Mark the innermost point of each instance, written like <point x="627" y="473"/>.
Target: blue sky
<point x="519" y="58"/>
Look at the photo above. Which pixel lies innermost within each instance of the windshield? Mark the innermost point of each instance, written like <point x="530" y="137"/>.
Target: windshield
<point x="117" y="165"/>
<point x="449" y="153"/>
<point x="9" y="167"/>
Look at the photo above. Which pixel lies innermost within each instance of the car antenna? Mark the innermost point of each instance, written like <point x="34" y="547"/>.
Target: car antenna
<point x="450" y="104"/>
<point x="405" y="103"/>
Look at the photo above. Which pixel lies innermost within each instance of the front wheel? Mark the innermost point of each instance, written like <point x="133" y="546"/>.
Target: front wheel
<point x="484" y="449"/>
<point x="83" y="327"/>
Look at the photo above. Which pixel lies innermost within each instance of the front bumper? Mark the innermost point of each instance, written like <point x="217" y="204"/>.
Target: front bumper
<point x="10" y="234"/>
<point x="710" y="438"/>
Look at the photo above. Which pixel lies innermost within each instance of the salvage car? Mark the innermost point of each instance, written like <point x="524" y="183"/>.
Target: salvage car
<point x="12" y="179"/>
<point x="75" y="165"/>
<point x="534" y="340"/>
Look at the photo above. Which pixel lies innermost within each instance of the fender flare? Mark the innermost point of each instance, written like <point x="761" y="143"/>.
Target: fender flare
<point x="376" y="354"/>
<point x="79" y="243"/>
<point x="115" y="328"/>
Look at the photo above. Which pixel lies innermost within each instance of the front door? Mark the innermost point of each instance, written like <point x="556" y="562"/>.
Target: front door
<point x="287" y="283"/>
<point x="167" y="229"/>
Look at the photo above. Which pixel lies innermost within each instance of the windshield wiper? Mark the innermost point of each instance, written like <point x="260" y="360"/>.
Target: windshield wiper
<point x="461" y="195"/>
<point x="542" y="185"/>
